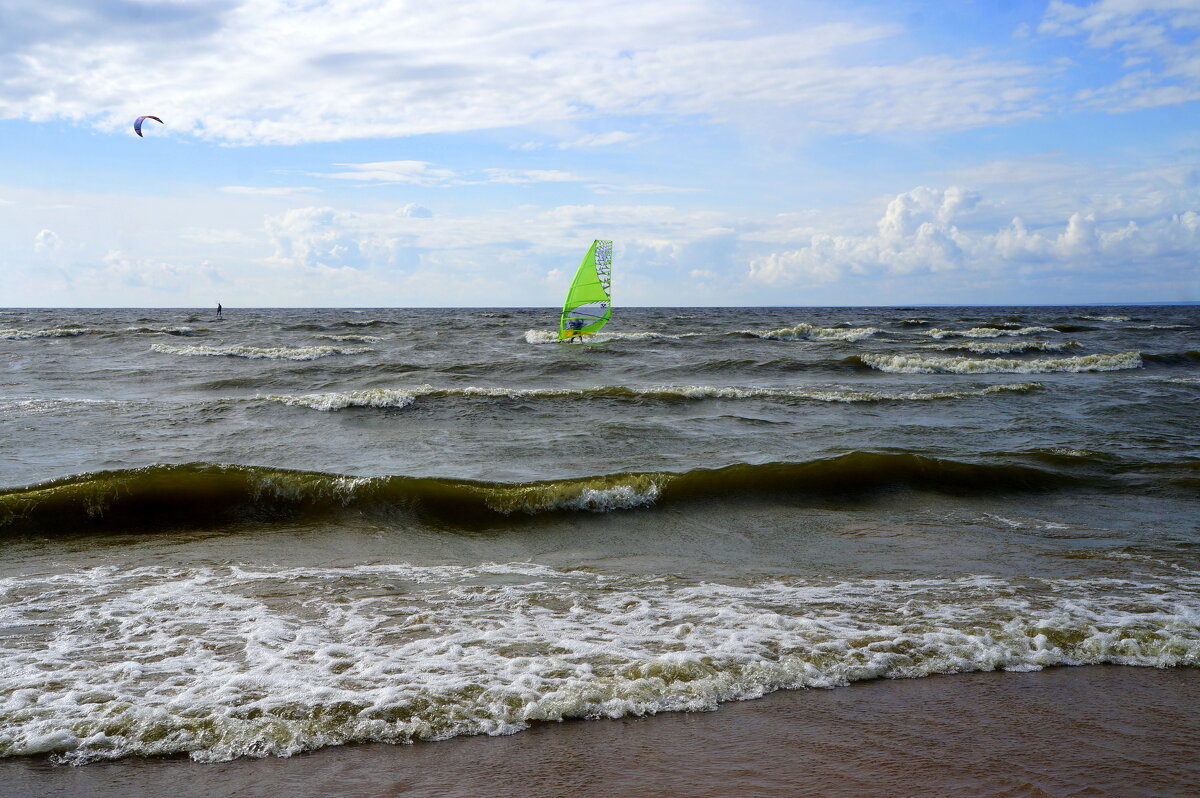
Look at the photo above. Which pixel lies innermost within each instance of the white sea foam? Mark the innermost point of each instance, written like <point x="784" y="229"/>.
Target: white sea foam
<point x="352" y="337"/>
<point x="836" y="395"/>
<point x="54" y="332"/>
<point x="1068" y="452"/>
<point x="257" y="353"/>
<point x="220" y="662"/>
<point x="1106" y="318"/>
<point x="1005" y="347"/>
<point x="921" y="364"/>
<point x="809" y="332"/>
<point x="399" y="398"/>
<point x="182" y="331"/>
<point x="372" y="397"/>
<point x="31" y="407"/>
<point x="984" y="332"/>
<point x="551" y="336"/>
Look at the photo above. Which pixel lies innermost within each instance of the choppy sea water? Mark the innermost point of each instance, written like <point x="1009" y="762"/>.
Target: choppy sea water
<point x="290" y="529"/>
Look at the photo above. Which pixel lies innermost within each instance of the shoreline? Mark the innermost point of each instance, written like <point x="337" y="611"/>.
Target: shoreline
<point x="1062" y="731"/>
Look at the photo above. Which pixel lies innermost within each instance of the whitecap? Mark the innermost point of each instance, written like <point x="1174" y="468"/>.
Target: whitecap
<point x="259" y="353"/>
<point x="984" y="332"/>
<point x="922" y="364"/>
<point x="809" y="332"/>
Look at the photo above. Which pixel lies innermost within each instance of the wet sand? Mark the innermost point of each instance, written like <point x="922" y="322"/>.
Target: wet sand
<point x="1103" y="730"/>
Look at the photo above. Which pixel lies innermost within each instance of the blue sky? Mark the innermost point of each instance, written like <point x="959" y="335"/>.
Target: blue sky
<point x="379" y="152"/>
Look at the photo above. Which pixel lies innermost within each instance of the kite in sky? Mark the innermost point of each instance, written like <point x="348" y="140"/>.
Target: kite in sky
<point x="137" y="126"/>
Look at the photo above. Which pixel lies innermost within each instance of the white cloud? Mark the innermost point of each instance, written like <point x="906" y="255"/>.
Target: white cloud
<point x="414" y="211"/>
<point x="325" y="239"/>
<point x="638" y="188"/>
<point x="276" y="71"/>
<point x="598" y="140"/>
<point x="269" y="191"/>
<point x="1158" y="39"/>
<point x="46" y="242"/>
<point x="927" y="231"/>
<point x="146" y="276"/>
<point x="1118" y="235"/>
<point x="530" y="176"/>
<point x="421" y="173"/>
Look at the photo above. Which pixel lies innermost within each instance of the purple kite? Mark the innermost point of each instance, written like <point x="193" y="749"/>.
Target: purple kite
<point x="137" y="126"/>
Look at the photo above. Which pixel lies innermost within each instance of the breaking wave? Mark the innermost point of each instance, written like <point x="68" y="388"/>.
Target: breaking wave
<point x="1006" y="347"/>
<point x="55" y="332"/>
<point x="922" y="364"/>
<point x="984" y="332"/>
<point x="809" y="332"/>
<point x="202" y="661"/>
<point x="551" y="336"/>
<point x="399" y="398"/>
<point x="366" y="323"/>
<point x="352" y="338"/>
<point x="181" y="331"/>
<point x="259" y="353"/>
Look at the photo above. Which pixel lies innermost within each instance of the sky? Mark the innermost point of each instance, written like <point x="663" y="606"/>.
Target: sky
<point x="371" y="153"/>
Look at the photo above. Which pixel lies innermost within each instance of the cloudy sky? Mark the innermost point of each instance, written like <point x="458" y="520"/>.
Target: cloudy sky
<point x="742" y="152"/>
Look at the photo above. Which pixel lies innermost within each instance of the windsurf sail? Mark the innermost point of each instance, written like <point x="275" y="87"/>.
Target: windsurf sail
<point x="589" y="300"/>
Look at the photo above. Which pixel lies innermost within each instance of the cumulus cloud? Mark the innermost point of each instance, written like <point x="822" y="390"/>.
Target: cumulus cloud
<point x="46" y="242"/>
<point x="927" y="231"/>
<point x="325" y="238"/>
<point x="275" y="71"/>
<point x="414" y="211"/>
<point x="147" y="275"/>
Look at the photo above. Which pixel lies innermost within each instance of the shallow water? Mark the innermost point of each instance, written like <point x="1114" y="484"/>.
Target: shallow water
<point x="292" y="529"/>
<point x="1064" y="731"/>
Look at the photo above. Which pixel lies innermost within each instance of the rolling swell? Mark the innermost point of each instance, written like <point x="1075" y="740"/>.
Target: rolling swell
<point x="1173" y="358"/>
<point x="201" y="494"/>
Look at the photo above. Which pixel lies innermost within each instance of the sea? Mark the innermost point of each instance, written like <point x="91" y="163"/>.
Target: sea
<point x="289" y="530"/>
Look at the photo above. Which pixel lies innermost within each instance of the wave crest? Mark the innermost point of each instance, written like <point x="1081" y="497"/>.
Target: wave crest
<point x="922" y="364"/>
<point x="1006" y="347"/>
<point x="984" y="332"/>
<point x="201" y="494"/>
<point x="400" y="398"/>
<point x="809" y="332"/>
<point x="54" y="332"/>
<point x="262" y="353"/>
<point x="180" y="331"/>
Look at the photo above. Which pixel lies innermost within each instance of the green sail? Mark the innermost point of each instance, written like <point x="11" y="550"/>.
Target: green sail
<point x="589" y="301"/>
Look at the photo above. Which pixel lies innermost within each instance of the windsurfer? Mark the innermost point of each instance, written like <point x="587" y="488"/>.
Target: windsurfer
<point x="218" y="310"/>
<point x="574" y="326"/>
